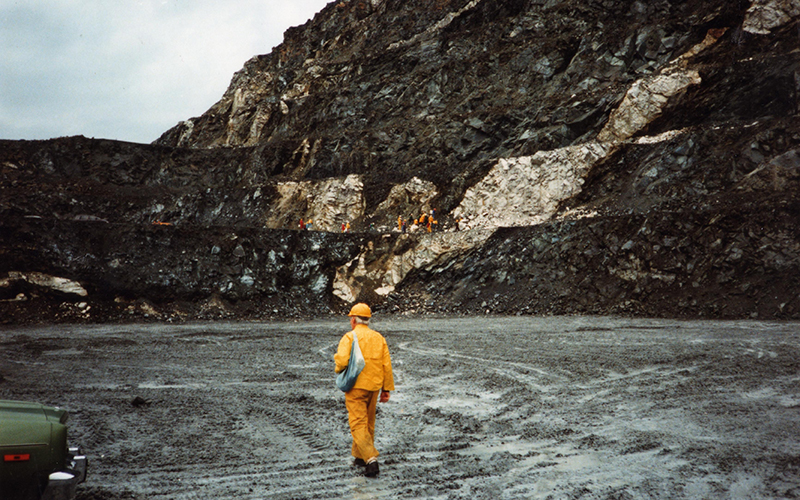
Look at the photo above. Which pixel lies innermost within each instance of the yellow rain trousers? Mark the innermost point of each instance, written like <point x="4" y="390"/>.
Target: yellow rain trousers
<point x="361" y="406"/>
<point x="362" y="399"/>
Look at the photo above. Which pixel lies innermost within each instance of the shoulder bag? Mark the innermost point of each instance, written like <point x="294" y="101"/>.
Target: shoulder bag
<point x="347" y="377"/>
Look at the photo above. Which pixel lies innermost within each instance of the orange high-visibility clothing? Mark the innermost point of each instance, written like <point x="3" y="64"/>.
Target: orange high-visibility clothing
<point x="361" y="416"/>
<point x="377" y="372"/>
<point x="362" y="399"/>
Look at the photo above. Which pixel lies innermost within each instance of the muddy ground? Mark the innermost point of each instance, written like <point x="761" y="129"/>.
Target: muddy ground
<point x="556" y="407"/>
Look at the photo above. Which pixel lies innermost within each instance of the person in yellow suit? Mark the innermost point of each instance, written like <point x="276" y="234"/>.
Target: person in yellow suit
<point x="374" y="384"/>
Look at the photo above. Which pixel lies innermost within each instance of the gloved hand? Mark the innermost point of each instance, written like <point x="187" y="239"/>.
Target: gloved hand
<point x="384" y="396"/>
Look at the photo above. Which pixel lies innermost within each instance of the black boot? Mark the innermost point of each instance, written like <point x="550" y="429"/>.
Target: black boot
<point x="372" y="469"/>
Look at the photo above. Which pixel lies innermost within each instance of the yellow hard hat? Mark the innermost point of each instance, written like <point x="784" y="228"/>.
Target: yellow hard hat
<point x="361" y="310"/>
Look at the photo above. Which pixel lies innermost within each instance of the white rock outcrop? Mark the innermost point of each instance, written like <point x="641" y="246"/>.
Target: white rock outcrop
<point x="382" y="274"/>
<point x="416" y="193"/>
<point x="644" y="102"/>
<point x="647" y="97"/>
<point x="328" y="203"/>
<point x="763" y="16"/>
<point x="43" y="280"/>
<point x="443" y="23"/>
<point x="527" y="190"/>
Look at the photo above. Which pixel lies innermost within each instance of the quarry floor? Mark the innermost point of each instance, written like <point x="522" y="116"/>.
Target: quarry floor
<point x="484" y="408"/>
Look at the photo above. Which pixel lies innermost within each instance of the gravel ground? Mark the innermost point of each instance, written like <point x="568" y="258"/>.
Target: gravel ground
<point x="485" y="408"/>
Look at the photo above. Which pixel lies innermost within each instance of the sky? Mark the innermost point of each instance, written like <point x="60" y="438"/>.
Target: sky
<point x="127" y="69"/>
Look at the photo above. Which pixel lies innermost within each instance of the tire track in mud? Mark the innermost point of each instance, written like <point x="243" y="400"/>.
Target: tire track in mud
<point x="297" y="427"/>
<point x="283" y="481"/>
<point x="447" y="415"/>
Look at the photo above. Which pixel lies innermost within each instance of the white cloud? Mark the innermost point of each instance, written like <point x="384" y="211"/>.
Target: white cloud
<point x="127" y="69"/>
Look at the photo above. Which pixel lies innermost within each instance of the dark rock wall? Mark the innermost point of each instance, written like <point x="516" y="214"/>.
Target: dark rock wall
<point x="392" y="97"/>
<point x="685" y="227"/>
<point x="131" y="183"/>
<point x="687" y="263"/>
<point x="182" y="271"/>
<point x="695" y="215"/>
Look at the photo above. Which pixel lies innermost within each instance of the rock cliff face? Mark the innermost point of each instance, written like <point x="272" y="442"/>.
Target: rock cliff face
<point x="602" y="156"/>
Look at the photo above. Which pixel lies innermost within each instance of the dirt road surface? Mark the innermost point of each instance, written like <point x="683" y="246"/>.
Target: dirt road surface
<point x="510" y="408"/>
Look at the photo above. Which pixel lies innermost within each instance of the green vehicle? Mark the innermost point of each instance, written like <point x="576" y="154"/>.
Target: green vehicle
<point x="35" y="460"/>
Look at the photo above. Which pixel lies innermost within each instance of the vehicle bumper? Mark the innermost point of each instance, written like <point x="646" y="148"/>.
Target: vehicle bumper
<point x="61" y="485"/>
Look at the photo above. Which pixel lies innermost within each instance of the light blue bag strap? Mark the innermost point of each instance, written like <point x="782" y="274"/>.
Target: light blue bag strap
<point x="353" y="345"/>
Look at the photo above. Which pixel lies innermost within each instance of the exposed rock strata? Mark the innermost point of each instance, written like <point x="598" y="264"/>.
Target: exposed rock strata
<point x="181" y="271"/>
<point x="412" y="197"/>
<point x="45" y="281"/>
<point x="765" y="15"/>
<point x="574" y="121"/>
<point x="693" y="263"/>
<point x="378" y="270"/>
<point x="528" y="190"/>
<point x="327" y="204"/>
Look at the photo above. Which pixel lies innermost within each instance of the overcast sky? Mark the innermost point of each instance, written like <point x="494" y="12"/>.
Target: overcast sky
<point x="127" y="69"/>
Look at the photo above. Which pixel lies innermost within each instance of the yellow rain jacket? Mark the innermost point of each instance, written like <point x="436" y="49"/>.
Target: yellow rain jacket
<point x="377" y="372"/>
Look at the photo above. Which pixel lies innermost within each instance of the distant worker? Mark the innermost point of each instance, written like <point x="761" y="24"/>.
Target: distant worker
<point x="343" y="227"/>
<point x="373" y="384"/>
<point x="302" y="225"/>
<point x="347" y="227"/>
<point x="309" y="224"/>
